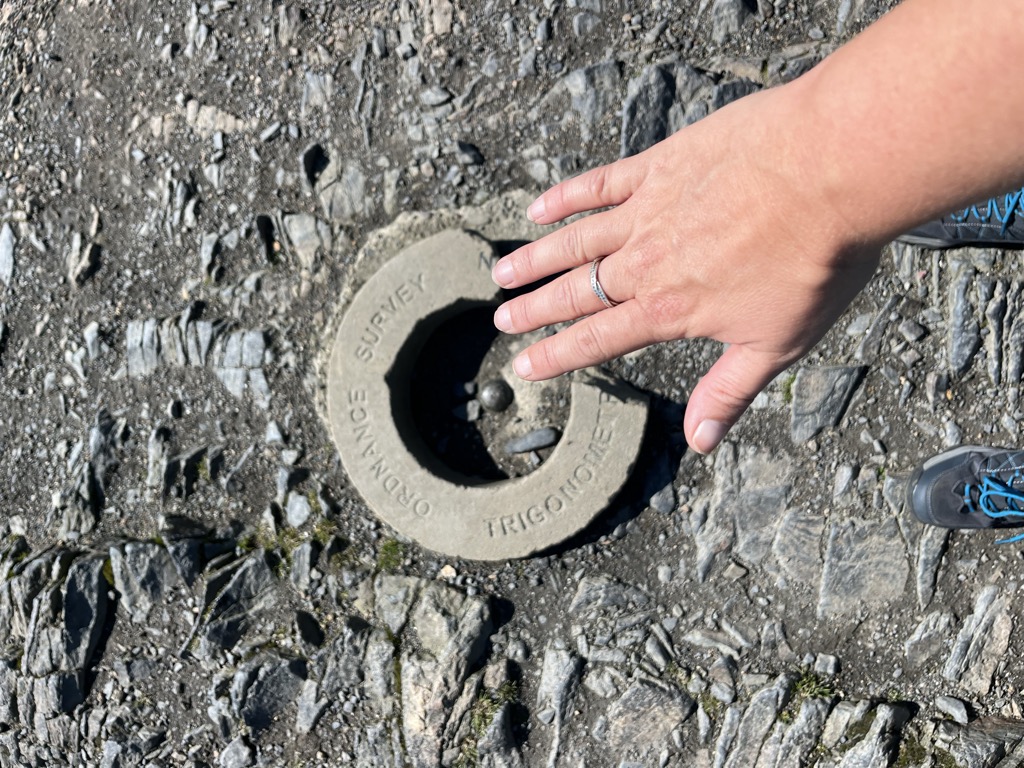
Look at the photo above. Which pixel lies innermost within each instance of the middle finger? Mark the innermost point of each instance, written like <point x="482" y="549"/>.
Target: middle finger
<point x="568" y="297"/>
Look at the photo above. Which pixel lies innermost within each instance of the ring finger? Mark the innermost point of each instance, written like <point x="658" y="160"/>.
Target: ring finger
<point x="568" y="297"/>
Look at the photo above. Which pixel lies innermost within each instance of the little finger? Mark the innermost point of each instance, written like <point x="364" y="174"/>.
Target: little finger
<point x="598" y="188"/>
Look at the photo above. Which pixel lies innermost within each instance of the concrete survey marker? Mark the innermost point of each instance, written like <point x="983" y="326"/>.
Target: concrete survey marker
<point x="370" y="410"/>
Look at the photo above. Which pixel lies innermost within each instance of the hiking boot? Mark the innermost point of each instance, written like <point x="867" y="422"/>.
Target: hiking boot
<point x="970" y="487"/>
<point x="996" y="223"/>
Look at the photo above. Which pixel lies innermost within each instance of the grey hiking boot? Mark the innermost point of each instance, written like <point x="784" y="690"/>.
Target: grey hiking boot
<point x="971" y="486"/>
<point x="996" y="223"/>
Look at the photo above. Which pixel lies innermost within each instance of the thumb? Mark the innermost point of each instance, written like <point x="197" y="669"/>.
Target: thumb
<point x="725" y="392"/>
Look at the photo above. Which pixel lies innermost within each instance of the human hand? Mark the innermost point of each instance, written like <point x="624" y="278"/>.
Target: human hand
<point x="721" y="231"/>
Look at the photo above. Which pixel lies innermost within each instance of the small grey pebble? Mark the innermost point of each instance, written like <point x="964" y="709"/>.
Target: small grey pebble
<point x="274" y="436"/>
<point x="912" y="331"/>
<point x="517" y="651"/>
<point x="826" y="664"/>
<point x="496" y="395"/>
<point x="664" y="501"/>
<point x="533" y="441"/>
<point x="952" y="707"/>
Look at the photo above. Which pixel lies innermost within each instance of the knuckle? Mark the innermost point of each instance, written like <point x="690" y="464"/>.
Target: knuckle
<point x="599" y="183"/>
<point x="556" y="197"/>
<point x="722" y="392"/>
<point x="545" y="357"/>
<point x="519" y="313"/>
<point x="571" y="245"/>
<point x="646" y="255"/>
<point x="567" y="295"/>
<point x="524" y="263"/>
<point x="667" y="313"/>
<point x="589" y="343"/>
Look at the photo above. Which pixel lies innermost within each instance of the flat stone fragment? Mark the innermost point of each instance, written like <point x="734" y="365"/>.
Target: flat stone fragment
<point x="1013" y="367"/>
<point x="342" y="192"/>
<point x="757" y="721"/>
<point x="930" y="552"/>
<point x="645" y="716"/>
<point x="237" y="754"/>
<point x="7" y="243"/>
<point x="276" y="686"/>
<point x="995" y="312"/>
<point x="727" y="17"/>
<point x="881" y="742"/>
<point x="871" y="344"/>
<point x="981" y="643"/>
<point x="797" y="546"/>
<point x="802" y="737"/>
<point x="533" y="441"/>
<point x="593" y="92"/>
<point x="410" y="488"/>
<point x="85" y="610"/>
<point x="453" y="631"/>
<point x="600" y="594"/>
<point x="143" y="575"/>
<point x="865" y="564"/>
<point x="303" y="232"/>
<point x="964" y="328"/>
<point x="820" y="396"/>
<point x="749" y="500"/>
<point x="984" y="743"/>
<point x="727" y="736"/>
<point x="955" y="708"/>
<point x="560" y="674"/>
<point x="645" y="113"/>
<point x="928" y="638"/>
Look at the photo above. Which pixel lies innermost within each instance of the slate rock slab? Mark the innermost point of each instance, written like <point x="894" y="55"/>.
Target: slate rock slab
<point x="865" y="564"/>
<point x="143" y="574"/>
<point x="982" y="744"/>
<point x="645" y="716"/>
<point x="820" y="397"/>
<point x="981" y="643"/>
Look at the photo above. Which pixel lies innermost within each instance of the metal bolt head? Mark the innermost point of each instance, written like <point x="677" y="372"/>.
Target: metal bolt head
<point x="495" y="395"/>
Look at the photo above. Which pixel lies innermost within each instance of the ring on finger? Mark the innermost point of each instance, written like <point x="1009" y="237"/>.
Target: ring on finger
<point x="595" y="284"/>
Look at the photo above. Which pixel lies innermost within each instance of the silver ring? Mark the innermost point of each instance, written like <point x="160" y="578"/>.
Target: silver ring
<point x="595" y="285"/>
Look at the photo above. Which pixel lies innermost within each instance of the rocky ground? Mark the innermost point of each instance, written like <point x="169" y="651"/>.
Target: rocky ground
<point x="188" y="578"/>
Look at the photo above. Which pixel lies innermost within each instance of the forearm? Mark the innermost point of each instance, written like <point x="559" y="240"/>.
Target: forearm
<point x="921" y="113"/>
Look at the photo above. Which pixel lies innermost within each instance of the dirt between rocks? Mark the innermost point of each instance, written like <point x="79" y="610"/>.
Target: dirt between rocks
<point x="187" y="576"/>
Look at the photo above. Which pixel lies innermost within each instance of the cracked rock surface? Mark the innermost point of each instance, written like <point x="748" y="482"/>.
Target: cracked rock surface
<point x="187" y="576"/>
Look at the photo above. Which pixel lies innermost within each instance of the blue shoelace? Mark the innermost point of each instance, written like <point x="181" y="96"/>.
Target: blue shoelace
<point x="1010" y="202"/>
<point x="992" y="490"/>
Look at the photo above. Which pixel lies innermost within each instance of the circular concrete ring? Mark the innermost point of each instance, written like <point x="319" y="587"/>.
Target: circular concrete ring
<point x="389" y="463"/>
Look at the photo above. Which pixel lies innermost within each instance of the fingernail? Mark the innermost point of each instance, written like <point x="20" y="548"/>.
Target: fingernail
<point x="503" y="274"/>
<point x="522" y="366"/>
<point x="708" y="435"/>
<point x="503" y="319"/>
<point x="536" y="209"/>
